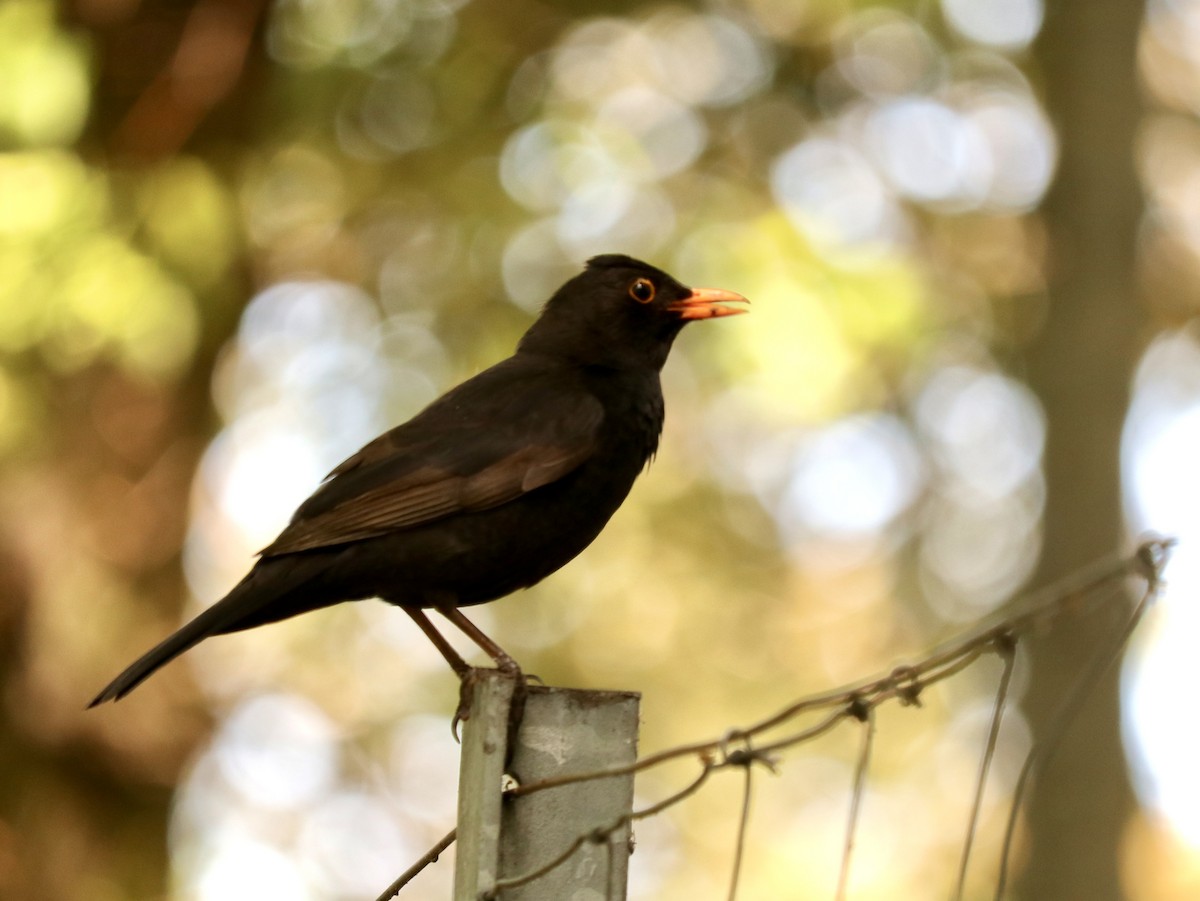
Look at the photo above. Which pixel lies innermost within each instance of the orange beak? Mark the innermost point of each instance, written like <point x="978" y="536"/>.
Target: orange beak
<point x="703" y="303"/>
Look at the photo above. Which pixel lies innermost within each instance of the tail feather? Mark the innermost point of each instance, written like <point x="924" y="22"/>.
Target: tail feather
<point x="244" y="600"/>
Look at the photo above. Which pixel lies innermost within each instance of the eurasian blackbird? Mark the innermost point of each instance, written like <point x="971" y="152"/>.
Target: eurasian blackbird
<point x="490" y="488"/>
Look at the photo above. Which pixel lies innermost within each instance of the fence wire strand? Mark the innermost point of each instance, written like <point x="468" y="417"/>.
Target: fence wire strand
<point x="860" y="786"/>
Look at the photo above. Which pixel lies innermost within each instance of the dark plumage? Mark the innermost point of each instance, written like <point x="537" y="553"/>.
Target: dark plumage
<point x="490" y="488"/>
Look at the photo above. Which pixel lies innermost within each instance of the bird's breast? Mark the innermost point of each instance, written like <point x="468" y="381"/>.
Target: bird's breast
<point x="633" y="415"/>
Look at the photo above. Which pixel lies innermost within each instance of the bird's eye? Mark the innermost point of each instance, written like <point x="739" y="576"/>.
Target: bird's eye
<point x="642" y="290"/>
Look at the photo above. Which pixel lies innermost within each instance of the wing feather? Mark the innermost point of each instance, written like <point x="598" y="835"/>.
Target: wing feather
<point x="428" y="470"/>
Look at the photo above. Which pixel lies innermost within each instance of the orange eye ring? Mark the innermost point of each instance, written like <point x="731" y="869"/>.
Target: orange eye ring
<point x="642" y="290"/>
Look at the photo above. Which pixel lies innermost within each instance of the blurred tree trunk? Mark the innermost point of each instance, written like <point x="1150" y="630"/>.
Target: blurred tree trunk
<point x="1080" y="368"/>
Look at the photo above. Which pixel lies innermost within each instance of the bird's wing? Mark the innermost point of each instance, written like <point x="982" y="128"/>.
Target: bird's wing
<point x="470" y="451"/>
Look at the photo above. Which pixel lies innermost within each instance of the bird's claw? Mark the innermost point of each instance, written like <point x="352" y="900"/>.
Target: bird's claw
<point x="466" y="690"/>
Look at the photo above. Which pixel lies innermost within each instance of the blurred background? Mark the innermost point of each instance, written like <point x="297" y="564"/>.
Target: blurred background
<point x="239" y="238"/>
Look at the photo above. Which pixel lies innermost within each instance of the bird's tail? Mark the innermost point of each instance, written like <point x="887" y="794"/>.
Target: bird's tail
<point x="246" y="600"/>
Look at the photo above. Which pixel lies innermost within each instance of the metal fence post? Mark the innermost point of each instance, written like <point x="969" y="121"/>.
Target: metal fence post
<point x="563" y="732"/>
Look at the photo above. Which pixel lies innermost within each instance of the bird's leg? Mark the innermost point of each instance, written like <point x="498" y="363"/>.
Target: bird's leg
<point x="504" y="663"/>
<point x="464" y="671"/>
<point x="461" y="668"/>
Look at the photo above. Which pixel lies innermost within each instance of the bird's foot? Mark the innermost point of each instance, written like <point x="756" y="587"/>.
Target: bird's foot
<point x="466" y="691"/>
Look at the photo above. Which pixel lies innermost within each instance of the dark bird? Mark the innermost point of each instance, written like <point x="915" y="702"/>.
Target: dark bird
<point x="490" y="488"/>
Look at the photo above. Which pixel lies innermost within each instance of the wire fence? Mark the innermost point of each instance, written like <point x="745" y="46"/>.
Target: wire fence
<point x="762" y="744"/>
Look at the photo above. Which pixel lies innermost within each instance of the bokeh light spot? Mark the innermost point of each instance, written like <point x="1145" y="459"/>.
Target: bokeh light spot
<point x="44" y="86"/>
<point x="277" y="751"/>
<point x="852" y="478"/>
<point x="884" y="53"/>
<point x="1010" y="24"/>
<point x="925" y="147"/>
<point x="833" y="194"/>
<point x="243" y="869"/>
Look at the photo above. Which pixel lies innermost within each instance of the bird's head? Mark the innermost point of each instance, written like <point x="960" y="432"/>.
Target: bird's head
<point x="622" y="312"/>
